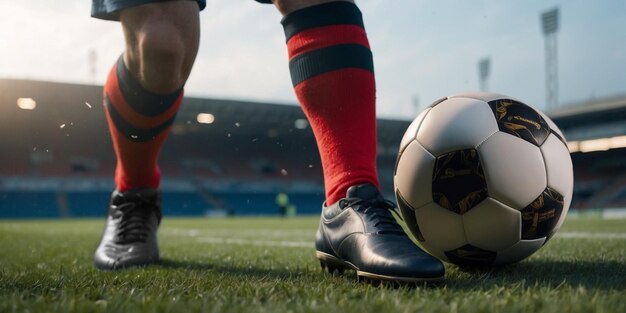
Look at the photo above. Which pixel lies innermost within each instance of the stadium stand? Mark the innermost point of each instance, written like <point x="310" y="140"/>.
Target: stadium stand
<point x="28" y="204"/>
<point x="57" y="160"/>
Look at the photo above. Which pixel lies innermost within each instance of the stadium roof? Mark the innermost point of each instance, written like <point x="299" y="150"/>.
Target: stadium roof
<point x="602" y="118"/>
<point x="613" y="108"/>
<point x="64" y="103"/>
<point x="60" y="103"/>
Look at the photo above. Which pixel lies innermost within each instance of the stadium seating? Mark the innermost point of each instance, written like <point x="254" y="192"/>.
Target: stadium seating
<point x="184" y="204"/>
<point x="29" y="204"/>
<point x="63" y="167"/>
<point x="87" y="203"/>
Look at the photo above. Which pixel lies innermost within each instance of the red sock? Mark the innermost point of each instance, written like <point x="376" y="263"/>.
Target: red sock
<point x="139" y="122"/>
<point x="333" y="76"/>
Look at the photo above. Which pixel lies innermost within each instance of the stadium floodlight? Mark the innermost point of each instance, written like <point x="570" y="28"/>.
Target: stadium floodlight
<point x="599" y="144"/>
<point x="26" y="103"/>
<point x="205" y="118"/>
<point x="301" y="123"/>
<point x="550" y="21"/>
<point x="573" y="146"/>
<point x="93" y="65"/>
<point x="618" y="142"/>
<point x="484" y="70"/>
<point x="550" y="26"/>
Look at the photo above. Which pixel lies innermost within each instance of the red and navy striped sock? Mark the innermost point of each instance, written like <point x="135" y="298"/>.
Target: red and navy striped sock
<point x="333" y="76"/>
<point x="139" y="121"/>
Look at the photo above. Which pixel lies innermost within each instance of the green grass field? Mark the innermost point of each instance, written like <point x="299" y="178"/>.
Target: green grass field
<point x="268" y="265"/>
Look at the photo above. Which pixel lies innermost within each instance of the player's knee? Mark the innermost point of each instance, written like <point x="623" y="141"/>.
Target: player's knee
<point x="287" y="6"/>
<point x="161" y="55"/>
<point x="161" y="43"/>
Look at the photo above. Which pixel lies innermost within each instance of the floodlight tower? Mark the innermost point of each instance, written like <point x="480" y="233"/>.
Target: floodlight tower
<point x="484" y="69"/>
<point x="93" y="63"/>
<point x="415" y="101"/>
<point x="550" y="26"/>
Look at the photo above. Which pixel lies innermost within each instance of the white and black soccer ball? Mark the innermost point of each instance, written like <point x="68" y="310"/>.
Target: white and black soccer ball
<point x="483" y="179"/>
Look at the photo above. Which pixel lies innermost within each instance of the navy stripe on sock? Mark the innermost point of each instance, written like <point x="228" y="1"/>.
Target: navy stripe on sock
<point x="141" y="100"/>
<point x="331" y="13"/>
<point x="131" y="132"/>
<point x="309" y="64"/>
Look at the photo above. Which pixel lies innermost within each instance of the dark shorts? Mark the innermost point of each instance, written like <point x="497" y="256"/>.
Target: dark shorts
<point x="109" y="9"/>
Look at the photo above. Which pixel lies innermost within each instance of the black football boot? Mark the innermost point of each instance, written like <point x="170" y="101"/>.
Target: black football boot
<point x="359" y="232"/>
<point x="130" y="232"/>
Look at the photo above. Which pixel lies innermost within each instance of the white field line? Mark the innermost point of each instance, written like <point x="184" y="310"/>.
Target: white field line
<point x="209" y="236"/>
<point x="590" y="235"/>
<point x="254" y="233"/>
<point x="204" y="236"/>
<point x="268" y="243"/>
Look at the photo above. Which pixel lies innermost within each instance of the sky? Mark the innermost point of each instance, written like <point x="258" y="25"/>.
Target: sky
<point x="423" y="50"/>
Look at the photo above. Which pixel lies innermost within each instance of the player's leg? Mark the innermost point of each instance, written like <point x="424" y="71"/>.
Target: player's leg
<point x="145" y="87"/>
<point x="340" y="104"/>
<point x="333" y="76"/>
<point x="142" y="95"/>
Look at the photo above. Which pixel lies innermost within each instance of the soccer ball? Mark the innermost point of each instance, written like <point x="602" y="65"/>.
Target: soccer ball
<point x="482" y="179"/>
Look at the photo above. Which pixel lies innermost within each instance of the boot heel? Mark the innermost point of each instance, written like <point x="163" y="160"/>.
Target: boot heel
<point x="330" y="263"/>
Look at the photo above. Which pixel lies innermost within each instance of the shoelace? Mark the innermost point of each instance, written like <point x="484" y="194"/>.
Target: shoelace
<point x="379" y="211"/>
<point x="134" y="224"/>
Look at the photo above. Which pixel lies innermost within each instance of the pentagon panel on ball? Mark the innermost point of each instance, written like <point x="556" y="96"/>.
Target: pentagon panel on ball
<point x="540" y="217"/>
<point x="520" y="120"/>
<point x="469" y="255"/>
<point x="482" y="179"/>
<point x="458" y="181"/>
